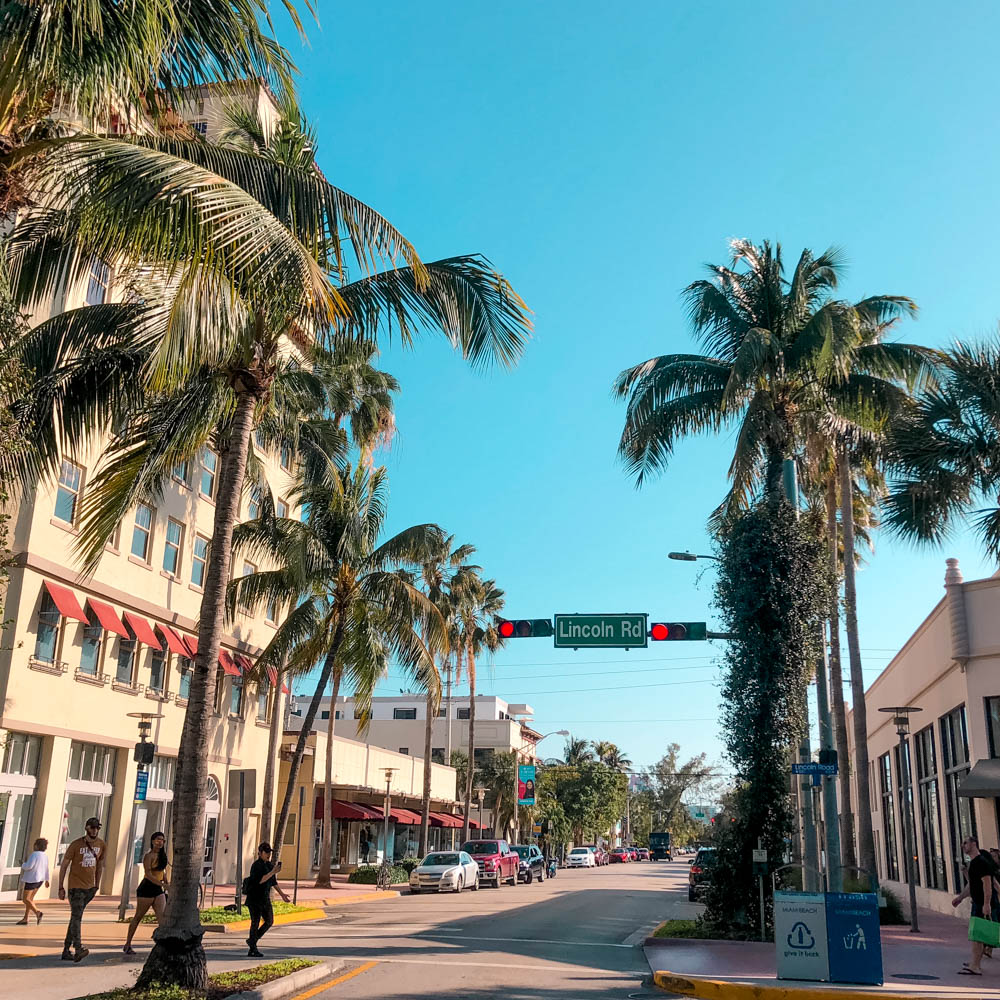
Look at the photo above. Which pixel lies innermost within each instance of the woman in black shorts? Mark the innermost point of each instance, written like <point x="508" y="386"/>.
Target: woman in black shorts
<point x="152" y="891"/>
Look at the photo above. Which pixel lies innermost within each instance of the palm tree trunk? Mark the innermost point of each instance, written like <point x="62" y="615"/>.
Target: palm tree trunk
<point x="326" y="842"/>
<point x="273" y="740"/>
<point x="866" y="839"/>
<point x="178" y="956"/>
<point x="847" y="850"/>
<point x="425" y="810"/>
<point x="295" y="762"/>
<point x="470" y="664"/>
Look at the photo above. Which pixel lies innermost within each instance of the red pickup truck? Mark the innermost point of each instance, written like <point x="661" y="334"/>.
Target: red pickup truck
<point x="497" y="862"/>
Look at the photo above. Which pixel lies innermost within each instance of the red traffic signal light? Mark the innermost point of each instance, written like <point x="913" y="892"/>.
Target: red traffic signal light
<point x="524" y="628"/>
<point x="663" y="631"/>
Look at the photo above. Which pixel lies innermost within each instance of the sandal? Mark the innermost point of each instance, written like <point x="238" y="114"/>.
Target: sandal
<point x="128" y="949"/>
<point x="966" y="971"/>
<point x="22" y="923"/>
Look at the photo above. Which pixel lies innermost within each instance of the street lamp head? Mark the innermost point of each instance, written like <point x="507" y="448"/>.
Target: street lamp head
<point x="561" y="732"/>
<point x="901" y="716"/>
<point x="682" y="556"/>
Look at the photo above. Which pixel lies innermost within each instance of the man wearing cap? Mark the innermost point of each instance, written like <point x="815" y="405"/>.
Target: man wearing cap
<point x="84" y="860"/>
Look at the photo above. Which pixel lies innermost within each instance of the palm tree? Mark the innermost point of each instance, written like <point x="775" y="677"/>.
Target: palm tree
<point x="478" y="604"/>
<point x="787" y="359"/>
<point x="434" y="577"/>
<point x="239" y="256"/>
<point x="609" y="754"/>
<point x="576" y="752"/>
<point x="354" y="610"/>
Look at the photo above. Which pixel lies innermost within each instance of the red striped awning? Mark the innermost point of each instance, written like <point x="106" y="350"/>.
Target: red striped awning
<point x="474" y="824"/>
<point x="143" y="630"/>
<point x="446" y="819"/>
<point x="405" y="817"/>
<point x="272" y="675"/>
<point x="191" y="641"/>
<point x="350" y="811"/>
<point x="108" y="618"/>
<point x="228" y="664"/>
<point x="173" y="640"/>
<point x="65" y="600"/>
<point x="243" y="662"/>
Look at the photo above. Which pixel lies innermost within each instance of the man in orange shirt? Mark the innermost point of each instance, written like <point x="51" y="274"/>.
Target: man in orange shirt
<point x="84" y="860"/>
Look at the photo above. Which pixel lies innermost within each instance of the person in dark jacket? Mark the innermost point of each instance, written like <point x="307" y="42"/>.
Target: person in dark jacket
<point x="261" y="880"/>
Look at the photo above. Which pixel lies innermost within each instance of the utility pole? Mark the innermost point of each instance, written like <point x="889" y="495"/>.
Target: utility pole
<point x="831" y="826"/>
<point x="447" y="714"/>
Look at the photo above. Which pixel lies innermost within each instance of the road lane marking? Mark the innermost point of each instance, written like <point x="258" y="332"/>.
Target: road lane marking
<point x="533" y="940"/>
<point x="316" y="990"/>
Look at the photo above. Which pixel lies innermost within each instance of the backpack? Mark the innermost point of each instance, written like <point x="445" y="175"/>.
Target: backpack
<point x="245" y="886"/>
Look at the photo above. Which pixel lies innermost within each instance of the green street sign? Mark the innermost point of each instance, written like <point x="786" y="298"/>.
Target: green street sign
<point x="600" y="631"/>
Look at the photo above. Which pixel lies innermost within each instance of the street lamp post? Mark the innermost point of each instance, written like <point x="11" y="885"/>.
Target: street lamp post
<point x="901" y="718"/>
<point x="143" y="754"/>
<point x="389" y="772"/>
<point x="480" y="795"/>
<point x="517" y="760"/>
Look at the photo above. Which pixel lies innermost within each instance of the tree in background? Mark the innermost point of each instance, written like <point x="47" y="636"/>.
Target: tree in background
<point x="668" y="781"/>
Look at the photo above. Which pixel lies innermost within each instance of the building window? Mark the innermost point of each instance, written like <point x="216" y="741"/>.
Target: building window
<point x="463" y="713"/>
<point x="263" y="703"/>
<point x="480" y="755"/>
<point x="89" y="789"/>
<point x="142" y="531"/>
<point x="181" y="471"/>
<point x="888" y="817"/>
<point x="184" y="669"/>
<point x="209" y="467"/>
<point x="68" y="493"/>
<point x="97" y="285"/>
<point x="904" y="788"/>
<point x="47" y="638"/>
<point x="337" y="715"/>
<point x="199" y="561"/>
<point x="955" y="758"/>
<point x="253" y="506"/>
<point x="404" y="713"/>
<point x="437" y="755"/>
<point x="236" y="696"/>
<point x="324" y="714"/>
<point x="930" y="809"/>
<point x="442" y="713"/>
<point x="157" y="671"/>
<point x="125" y="671"/>
<point x="281" y="508"/>
<point x="172" y="547"/>
<point x="161" y="773"/>
<point x="271" y="612"/>
<point x="285" y="457"/>
<point x="20" y="754"/>
<point x="90" y="762"/>
<point x="405" y="750"/>
<point x="90" y="648"/>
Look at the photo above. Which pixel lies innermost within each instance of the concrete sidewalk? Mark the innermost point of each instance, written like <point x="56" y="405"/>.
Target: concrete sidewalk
<point x="921" y="965"/>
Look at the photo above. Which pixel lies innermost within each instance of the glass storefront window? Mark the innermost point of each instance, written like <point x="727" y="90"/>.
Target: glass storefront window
<point x="78" y="808"/>
<point x="20" y="754"/>
<point x="15" y="822"/>
<point x="955" y="759"/>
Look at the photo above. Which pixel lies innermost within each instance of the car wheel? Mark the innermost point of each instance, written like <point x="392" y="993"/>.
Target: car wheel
<point x="460" y="884"/>
<point x="692" y="898"/>
<point x="513" y="879"/>
<point x="527" y="877"/>
<point x="475" y="885"/>
<point x="497" y="883"/>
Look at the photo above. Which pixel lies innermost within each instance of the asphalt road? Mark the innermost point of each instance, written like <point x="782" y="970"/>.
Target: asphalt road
<point x="578" y="935"/>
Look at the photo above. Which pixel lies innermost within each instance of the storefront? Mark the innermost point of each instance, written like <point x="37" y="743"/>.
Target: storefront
<point x="18" y="781"/>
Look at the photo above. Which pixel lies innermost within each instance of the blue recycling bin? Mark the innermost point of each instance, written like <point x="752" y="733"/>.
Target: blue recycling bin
<point x="853" y="938"/>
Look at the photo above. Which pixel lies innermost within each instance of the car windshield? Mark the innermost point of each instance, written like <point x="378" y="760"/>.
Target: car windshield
<point x="441" y="859"/>
<point x="522" y="850"/>
<point x="580" y="850"/>
<point x="705" y="857"/>
<point x="481" y="847"/>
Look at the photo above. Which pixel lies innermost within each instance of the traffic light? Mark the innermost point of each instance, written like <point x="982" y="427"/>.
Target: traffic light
<point x="676" y="631"/>
<point x="525" y="628"/>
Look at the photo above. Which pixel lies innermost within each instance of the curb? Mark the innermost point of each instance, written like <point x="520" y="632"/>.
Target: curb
<point x="238" y="926"/>
<point x="287" y="986"/>
<point x="715" y="989"/>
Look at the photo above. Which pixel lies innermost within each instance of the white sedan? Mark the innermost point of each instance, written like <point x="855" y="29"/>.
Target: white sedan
<point x="444" y="871"/>
<point x="581" y="857"/>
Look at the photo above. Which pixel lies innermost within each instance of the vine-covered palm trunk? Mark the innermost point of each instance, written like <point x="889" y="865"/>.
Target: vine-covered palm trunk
<point x="177" y="956"/>
<point x="866" y="837"/>
<point x="326" y="845"/>
<point x="470" y="664"/>
<point x="837" y="685"/>
<point x="425" y="805"/>
<point x="771" y="595"/>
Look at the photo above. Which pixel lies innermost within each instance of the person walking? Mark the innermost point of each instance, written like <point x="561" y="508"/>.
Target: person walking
<point x="34" y="872"/>
<point x="365" y="843"/>
<point x="84" y="860"/>
<point x="152" y="890"/>
<point x="980" y="889"/>
<point x="261" y="880"/>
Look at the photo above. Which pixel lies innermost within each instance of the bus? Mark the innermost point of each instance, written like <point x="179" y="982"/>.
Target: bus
<point x="659" y="846"/>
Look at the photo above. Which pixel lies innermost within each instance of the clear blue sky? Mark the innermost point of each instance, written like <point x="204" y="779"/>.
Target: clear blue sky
<point x="599" y="155"/>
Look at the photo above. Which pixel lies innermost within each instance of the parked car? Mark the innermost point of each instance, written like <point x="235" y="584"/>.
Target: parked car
<point x="581" y="857"/>
<point x="600" y="855"/>
<point x="532" y="864"/>
<point x="497" y="862"/>
<point x="619" y="856"/>
<point x="700" y="872"/>
<point x="445" y="871"/>
<point x="643" y="853"/>
<point x="633" y="853"/>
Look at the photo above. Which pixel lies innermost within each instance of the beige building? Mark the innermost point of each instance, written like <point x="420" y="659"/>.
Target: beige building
<point x="359" y="788"/>
<point x="949" y="668"/>
<point x="82" y="655"/>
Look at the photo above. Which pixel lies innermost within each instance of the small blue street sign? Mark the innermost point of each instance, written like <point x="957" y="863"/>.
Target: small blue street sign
<point x="141" y="784"/>
<point x="813" y="768"/>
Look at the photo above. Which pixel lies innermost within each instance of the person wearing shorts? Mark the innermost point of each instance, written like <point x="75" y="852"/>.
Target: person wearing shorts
<point x="34" y="872"/>
<point x="152" y="890"/>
